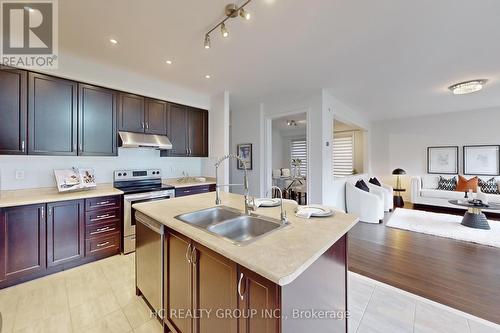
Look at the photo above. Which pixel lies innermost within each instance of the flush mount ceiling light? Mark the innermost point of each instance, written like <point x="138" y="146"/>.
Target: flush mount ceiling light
<point x="467" y="87"/>
<point x="231" y="11"/>
<point x="291" y="123"/>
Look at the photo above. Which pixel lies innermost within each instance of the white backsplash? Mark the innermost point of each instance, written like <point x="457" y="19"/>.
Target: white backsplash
<point x="38" y="170"/>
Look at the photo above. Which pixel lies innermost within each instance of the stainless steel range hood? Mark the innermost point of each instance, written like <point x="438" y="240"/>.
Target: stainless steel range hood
<point x="139" y="140"/>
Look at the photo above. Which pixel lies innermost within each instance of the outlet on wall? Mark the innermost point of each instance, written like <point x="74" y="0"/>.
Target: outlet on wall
<point x="19" y="174"/>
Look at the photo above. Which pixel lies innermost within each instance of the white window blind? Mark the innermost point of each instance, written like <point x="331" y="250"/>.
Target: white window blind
<point x="343" y="154"/>
<point x="298" y="150"/>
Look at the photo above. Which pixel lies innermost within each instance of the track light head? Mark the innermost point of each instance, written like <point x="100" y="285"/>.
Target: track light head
<point x="223" y="30"/>
<point x="207" y="41"/>
<point x="244" y="14"/>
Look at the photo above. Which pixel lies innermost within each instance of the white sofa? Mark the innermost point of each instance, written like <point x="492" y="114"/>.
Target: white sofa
<point x="369" y="206"/>
<point x="424" y="192"/>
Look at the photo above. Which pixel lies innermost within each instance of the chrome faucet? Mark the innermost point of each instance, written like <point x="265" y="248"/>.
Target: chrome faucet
<point x="218" y="201"/>
<point x="283" y="218"/>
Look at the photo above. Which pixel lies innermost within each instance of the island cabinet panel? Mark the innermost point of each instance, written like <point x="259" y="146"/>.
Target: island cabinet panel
<point x="52" y="115"/>
<point x="65" y="232"/>
<point x="328" y="275"/>
<point x="97" y="119"/>
<point x="13" y="111"/>
<point x="261" y="298"/>
<point x="131" y="113"/>
<point x="215" y="284"/>
<point x="22" y="236"/>
<point x="156" y="116"/>
<point x="179" y="285"/>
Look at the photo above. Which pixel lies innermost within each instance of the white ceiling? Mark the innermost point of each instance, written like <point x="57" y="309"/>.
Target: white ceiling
<point x="387" y="58"/>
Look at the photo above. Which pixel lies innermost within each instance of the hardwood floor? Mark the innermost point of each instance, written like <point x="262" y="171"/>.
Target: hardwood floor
<point x="462" y="275"/>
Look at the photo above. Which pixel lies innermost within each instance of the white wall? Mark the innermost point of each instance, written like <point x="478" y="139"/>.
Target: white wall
<point x="38" y="169"/>
<point x="402" y="143"/>
<point x="282" y="140"/>
<point x="219" y="136"/>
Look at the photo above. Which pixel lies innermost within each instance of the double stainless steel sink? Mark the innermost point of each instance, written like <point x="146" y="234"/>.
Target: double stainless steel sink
<point x="231" y="224"/>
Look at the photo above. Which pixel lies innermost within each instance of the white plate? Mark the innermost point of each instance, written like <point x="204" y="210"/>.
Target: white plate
<point x="316" y="210"/>
<point x="267" y="202"/>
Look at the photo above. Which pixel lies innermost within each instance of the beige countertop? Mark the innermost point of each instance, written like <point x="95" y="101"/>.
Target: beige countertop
<point x="180" y="184"/>
<point x="42" y="195"/>
<point x="280" y="256"/>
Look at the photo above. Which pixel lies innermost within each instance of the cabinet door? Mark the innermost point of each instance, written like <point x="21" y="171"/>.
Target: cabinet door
<point x="13" y="127"/>
<point x="178" y="131"/>
<point x="52" y="115"/>
<point x="97" y="121"/>
<point x="22" y="237"/>
<point x="178" y="287"/>
<point x="198" y="132"/>
<point x="65" y="231"/>
<point x="156" y="116"/>
<point x="215" y="288"/>
<point x="131" y="117"/>
<point x="257" y="293"/>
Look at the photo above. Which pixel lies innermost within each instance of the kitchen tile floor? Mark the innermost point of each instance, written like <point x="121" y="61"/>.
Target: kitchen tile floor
<point x="100" y="297"/>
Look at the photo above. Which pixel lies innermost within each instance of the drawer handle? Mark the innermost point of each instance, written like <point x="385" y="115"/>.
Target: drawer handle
<point x="102" y="217"/>
<point x="101" y="230"/>
<point x="239" y="287"/>
<point x="189" y="254"/>
<point x="102" y="203"/>
<point x="102" y="244"/>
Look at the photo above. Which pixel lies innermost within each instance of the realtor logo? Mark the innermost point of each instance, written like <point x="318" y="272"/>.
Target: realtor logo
<point x="29" y="34"/>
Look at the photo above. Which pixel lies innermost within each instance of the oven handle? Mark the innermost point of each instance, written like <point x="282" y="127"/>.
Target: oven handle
<point x="138" y="197"/>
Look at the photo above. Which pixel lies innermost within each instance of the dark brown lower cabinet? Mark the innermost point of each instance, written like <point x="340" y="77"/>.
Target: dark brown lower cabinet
<point x="65" y="231"/>
<point x="259" y="299"/>
<point x="22" y="240"/>
<point x="214" y="286"/>
<point x="178" y="289"/>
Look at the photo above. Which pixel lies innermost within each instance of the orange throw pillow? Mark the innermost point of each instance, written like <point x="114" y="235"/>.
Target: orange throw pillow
<point x="465" y="185"/>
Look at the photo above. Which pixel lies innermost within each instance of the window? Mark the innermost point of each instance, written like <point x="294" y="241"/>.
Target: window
<point x="298" y="150"/>
<point x="343" y="154"/>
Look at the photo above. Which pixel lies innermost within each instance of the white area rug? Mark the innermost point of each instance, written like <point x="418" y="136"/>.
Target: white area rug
<point x="444" y="225"/>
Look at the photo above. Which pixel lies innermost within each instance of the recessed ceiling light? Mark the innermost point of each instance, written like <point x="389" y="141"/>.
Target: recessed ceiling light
<point x="467" y="87"/>
<point x="113" y="41"/>
<point x="207" y="76"/>
<point x="169" y="62"/>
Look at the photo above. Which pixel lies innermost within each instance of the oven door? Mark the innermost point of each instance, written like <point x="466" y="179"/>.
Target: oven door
<point x="128" y="214"/>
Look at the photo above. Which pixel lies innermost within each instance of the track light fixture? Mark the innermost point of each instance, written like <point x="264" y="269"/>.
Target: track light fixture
<point x="231" y="11"/>
<point x="223" y="30"/>
<point x="207" y="41"/>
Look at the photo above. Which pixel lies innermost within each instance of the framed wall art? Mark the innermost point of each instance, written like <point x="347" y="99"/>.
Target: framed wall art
<point x="244" y="151"/>
<point x="442" y="160"/>
<point x="482" y="160"/>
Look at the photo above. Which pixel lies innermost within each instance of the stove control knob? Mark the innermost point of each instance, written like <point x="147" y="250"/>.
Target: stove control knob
<point x="124" y="174"/>
<point x="119" y="174"/>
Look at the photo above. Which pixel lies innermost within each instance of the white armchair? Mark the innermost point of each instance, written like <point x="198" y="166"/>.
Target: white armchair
<point x="369" y="206"/>
<point x="387" y="192"/>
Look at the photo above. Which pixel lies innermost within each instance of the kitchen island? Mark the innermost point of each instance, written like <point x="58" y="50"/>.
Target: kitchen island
<point x="293" y="279"/>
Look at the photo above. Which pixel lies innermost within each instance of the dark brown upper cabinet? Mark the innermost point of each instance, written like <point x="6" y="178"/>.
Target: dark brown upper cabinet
<point x="13" y="127"/>
<point x="131" y="114"/>
<point x="52" y="115"/>
<point x="65" y="232"/>
<point x="198" y="132"/>
<point x="97" y="112"/>
<point x="188" y="131"/>
<point x="156" y="116"/>
<point x="22" y="241"/>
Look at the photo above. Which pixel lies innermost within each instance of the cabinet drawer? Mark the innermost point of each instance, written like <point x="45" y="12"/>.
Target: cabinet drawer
<point x="107" y="243"/>
<point x="102" y="203"/>
<point x="102" y="216"/>
<point x="183" y="191"/>
<point x="101" y="229"/>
